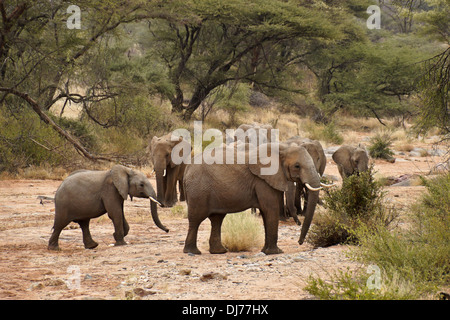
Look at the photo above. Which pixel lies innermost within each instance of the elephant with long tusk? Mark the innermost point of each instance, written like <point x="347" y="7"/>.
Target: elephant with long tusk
<point x="211" y="193"/>
<point x="300" y="190"/>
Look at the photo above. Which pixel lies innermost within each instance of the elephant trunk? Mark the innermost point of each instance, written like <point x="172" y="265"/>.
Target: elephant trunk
<point x="160" y="186"/>
<point x="154" y="211"/>
<point x="313" y="198"/>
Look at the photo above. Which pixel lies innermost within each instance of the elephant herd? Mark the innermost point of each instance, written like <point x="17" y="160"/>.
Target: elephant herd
<point x="211" y="190"/>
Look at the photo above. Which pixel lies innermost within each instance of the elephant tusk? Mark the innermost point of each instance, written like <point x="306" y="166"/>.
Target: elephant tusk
<point x="164" y="173"/>
<point x="154" y="200"/>
<point x="327" y="185"/>
<point x="311" y="188"/>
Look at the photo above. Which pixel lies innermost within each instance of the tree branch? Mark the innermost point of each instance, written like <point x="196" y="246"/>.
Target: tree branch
<point x="44" y="117"/>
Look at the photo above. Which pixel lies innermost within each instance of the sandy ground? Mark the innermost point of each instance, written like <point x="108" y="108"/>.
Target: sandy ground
<point x="152" y="265"/>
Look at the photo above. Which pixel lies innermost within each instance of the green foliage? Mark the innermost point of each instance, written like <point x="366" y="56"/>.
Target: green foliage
<point x="413" y="262"/>
<point x="25" y="141"/>
<point x="379" y="147"/>
<point x="352" y="285"/>
<point x="360" y="201"/>
<point x="323" y="132"/>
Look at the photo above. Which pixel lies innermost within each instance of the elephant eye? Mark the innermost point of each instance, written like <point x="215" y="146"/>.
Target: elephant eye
<point x="297" y="166"/>
<point x="142" y="184"/>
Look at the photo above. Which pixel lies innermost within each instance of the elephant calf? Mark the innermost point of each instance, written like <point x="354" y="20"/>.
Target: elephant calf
<point x="89" y="194"/>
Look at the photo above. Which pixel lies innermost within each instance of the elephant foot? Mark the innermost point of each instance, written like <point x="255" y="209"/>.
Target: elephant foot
<point x="272" y="250"/>
<point x="53" y="247"/>
<point x="91" y="245"/>
<point x="217" y="249"/>
<point x="192" y="250"/>
<point x="120" y="243"/>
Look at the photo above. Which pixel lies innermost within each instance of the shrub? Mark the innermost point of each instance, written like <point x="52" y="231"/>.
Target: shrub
<point x="380" y="147"/>
<point x="413" y="262"/>
<point x="359" y="201"/>
<point x="327" y="133"/>
<point x="241" y="231"/>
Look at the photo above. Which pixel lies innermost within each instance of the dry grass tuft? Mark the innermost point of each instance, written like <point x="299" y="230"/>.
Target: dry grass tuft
<point x="242" y="231"/>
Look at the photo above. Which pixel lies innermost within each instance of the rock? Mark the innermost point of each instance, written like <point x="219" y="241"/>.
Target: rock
<point x="54" y="282"/>
<point x="212" y="275"/>
<point x="418" y="152"/>
<point x="405" y="183"/>
<point x="142" y="292"/>
<point x="36" y="286"/>
<point x="331" y="150"/>
<point x="437" y="152"/>
<point x="414" y="154"/>
<point x="185" y="272"/>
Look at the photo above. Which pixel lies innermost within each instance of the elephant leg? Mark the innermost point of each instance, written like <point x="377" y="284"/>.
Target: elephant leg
<point x="305" y="202"/>
<point x="271" y="203"/>
<point x="291" y="202"/>
<point x="170" y="195"/>
<point x="298" y="198"/>
<point x="190" y="245"/>
<point x="115" y="213"/>
<point x="215" y="239"/>
<point x="89" y="243"/>
<point x="181" y="189"/>
<point x="126" y="227"/>
<point x="58" y="226"/>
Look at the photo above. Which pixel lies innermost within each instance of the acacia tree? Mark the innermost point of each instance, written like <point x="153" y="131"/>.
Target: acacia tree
<point x="435" y="83"/>
<point x="215" y="42"/>
<point x="40" y="57"/>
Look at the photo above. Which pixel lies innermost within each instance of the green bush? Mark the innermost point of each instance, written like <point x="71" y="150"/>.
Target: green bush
<point x="359" y="201"/>
<point x="327" y="133"/>
<point x="26" y="141"/>
<point x="413" y="261"/>
<point x="380" y="147"/>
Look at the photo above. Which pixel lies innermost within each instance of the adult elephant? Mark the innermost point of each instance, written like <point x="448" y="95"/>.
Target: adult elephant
<point x="263" y="133"/>
<point x="351" y="160"/>
<point x="167" y="172"/>
<point x="297" y="191"/>
<point x="211" y="193"/>
<point x="86" y="194"/>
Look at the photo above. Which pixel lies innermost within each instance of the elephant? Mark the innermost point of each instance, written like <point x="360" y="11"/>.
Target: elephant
<point x="257" y="127"/>
<point x="211" y="193"/>
<point x="351" y="160"/>
<point x="167" y="172"/>
<point x="295" y="191"/>
<point x="87" y="194"/>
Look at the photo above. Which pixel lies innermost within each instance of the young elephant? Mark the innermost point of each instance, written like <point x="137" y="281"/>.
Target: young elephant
<point x="89" y="194"/>
<point x="351" y="160"/>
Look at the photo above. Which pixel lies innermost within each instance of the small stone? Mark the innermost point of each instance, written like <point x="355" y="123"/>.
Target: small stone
<point x="185" y="272"/>
<point x="212" y="275"/>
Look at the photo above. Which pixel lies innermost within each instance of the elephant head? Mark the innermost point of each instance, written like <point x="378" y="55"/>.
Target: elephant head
<point x="136" y="184"/>
<point x="295" y="165"/>
<point x="351" y="160"/>
<point x="161" y="151"/>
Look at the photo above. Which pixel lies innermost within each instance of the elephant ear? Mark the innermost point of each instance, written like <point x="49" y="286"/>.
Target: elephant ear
<point x="276" y="180"/>
<point x="343" y="157"/>
<point x="120" y="175"/>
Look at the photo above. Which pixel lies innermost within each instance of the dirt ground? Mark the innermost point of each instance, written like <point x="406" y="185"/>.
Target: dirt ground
<point x="152" y="265"/>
